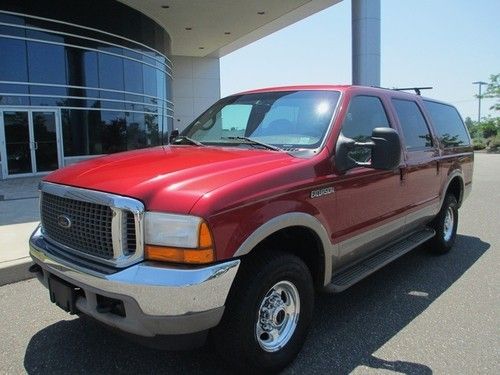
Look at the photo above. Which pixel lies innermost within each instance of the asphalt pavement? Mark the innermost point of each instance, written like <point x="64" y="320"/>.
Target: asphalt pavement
<point x="422" y="314"/>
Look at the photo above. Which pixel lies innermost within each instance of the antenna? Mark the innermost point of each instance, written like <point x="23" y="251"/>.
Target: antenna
<point x="416" y="89"/>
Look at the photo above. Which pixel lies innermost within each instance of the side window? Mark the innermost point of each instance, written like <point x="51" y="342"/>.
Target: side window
<point x="449" y="126"/>
<point x="415" y="130"/>
<point x="363" y="115"/>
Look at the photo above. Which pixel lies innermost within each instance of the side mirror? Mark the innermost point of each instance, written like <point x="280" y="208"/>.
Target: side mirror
<point x="385" y="148"/>
<point x="386" y="151"/>
<point x="173" y="135"/>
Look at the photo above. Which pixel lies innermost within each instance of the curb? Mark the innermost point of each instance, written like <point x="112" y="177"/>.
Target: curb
<point x="15" y="270"/>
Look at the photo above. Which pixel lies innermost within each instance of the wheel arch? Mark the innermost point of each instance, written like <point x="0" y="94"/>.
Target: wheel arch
<point x="293" y="227"/>
<point x="456" y="186"/>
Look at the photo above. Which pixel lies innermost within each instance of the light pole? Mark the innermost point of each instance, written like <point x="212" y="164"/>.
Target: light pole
<point x="479" y="83"/>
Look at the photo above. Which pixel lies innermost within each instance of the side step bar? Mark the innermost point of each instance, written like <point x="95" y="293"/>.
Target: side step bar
<point x="359" y="271"/>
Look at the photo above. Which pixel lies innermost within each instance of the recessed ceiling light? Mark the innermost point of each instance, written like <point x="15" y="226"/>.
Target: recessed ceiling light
<point x="165" y="6"/>
<point x="201" y="47"/>
<point x="227" y="33"/>
<point x="188" y="28"/>
<point x="261" y="13"/>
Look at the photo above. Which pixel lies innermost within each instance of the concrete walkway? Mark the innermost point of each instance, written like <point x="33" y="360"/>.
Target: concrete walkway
<point x="19" y="217"/>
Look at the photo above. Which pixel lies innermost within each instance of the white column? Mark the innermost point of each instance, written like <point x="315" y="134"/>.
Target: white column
<point x="365" y="20"/>
<point x="195" y="86"/>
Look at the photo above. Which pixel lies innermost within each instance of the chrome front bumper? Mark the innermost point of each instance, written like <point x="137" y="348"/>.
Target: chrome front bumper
<point x="159" y="299"/>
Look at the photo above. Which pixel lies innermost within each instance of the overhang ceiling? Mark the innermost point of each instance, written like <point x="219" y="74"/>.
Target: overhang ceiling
<point x="218" y="27"/>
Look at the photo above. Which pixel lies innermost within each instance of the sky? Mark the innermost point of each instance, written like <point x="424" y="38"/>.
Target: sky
<point x="446" y="44"/>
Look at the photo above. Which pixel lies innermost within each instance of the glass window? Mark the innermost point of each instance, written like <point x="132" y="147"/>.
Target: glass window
<point x="289" y="119"/>
<point x="46" y="63"/>
<point x="364" y="114"/>
<point x="149" y="78"/>
<point x="133" y="76"/>
<point x="88" y="132"/>
<point x="448" y="124"/>
<point x="153" y="129"/>
<point x="136" y="131"/>
<point x="82" y="67"/>
<point x="13" y="65"/>
<point x="111" y="72"/>
<point x="90" y="74"/>
<point x="415" y="130"/>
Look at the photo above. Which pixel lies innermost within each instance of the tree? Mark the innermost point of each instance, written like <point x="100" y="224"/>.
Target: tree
<point x="493" y="91"/>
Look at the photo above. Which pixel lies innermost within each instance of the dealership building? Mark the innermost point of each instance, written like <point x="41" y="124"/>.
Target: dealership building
<point x="82" y="78"/>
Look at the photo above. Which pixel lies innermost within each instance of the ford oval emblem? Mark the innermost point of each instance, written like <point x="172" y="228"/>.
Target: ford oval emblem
<point x="64" y="221"/>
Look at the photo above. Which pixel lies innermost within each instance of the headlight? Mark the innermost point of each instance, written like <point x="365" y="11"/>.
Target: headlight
<point x="177" y="238"/>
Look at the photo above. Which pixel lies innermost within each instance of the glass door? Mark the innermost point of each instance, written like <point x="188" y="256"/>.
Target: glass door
<point x="29" y="142"/>
<point x="17" y="153"/>
<point x="45" y="141"/>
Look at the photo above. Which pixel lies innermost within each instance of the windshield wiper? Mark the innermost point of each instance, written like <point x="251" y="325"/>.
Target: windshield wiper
<point x="252" y="141"/>
<point x="181" y="138"/>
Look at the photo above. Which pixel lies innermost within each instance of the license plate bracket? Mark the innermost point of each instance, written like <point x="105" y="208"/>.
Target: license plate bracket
<point x="63" y="294"/>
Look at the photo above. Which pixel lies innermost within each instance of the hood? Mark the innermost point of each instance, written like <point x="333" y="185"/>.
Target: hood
<point x="169" y="178"/>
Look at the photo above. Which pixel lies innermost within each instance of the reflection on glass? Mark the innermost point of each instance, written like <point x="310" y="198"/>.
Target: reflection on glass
<point x="110" y="72"/>
<point x="46" y="63"/>
<point x="44" y="129"/>
<point x="13" y="64"/>
<point x="17" y="142"/>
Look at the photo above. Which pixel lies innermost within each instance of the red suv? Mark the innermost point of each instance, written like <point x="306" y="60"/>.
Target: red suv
<point x="266" y="197"/>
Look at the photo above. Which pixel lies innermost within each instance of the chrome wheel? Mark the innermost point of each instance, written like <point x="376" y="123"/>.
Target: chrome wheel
<point x="278" y="316"/>
<point x="449" y="221"/>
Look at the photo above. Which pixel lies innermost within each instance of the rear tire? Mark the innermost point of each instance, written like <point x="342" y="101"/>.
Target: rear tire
<point x="268" y="313"/>
<point x="445" y="224"/>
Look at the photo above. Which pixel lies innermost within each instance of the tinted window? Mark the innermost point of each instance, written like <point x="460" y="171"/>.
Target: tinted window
<point x="13" y="63"/>
<point x="111" y="72"/>
<point x="448" y="124"/>
<point x="46" y="63"/>
<point x="133" y="76"/>
<point x="364" y="114"/>
<point x="415" y="130"/>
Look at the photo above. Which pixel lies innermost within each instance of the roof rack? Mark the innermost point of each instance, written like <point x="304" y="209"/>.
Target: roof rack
<point x="416" y="89"/>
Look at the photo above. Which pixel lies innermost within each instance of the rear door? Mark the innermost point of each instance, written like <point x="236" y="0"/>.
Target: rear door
<point x="421" y="173"/>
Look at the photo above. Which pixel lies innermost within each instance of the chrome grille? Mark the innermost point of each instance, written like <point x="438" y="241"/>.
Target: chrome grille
<point x="90" y="225"/>
<point x="105" y="228"/>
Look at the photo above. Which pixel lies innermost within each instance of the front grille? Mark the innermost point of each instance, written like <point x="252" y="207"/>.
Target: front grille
<point x="130" y="233"/>
<point x="89" y="231"/>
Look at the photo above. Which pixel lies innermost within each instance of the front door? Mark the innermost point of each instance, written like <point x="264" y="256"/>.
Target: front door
<point x="29" y="141"/>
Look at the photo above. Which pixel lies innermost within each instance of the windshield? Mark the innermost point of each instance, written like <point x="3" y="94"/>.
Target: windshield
<point x="286" y="119"/>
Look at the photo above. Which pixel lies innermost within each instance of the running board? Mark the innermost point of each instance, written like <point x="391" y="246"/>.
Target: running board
<point x="359" y="271"/>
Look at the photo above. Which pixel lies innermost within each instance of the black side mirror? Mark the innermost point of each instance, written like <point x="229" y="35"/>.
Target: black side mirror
<point x="173" y="135"/>
<point x="385" y="148"/>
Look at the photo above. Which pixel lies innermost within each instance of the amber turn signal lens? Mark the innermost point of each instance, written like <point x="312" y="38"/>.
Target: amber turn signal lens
<point x="178" y="255"/>
<point x="205" y="238"/>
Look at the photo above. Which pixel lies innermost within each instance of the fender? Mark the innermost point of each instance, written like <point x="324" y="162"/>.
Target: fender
<point x="290" y="220"/>
<point x="455" y="173"/>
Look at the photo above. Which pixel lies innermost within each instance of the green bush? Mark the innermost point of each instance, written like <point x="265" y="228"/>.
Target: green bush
<point x="494" y="144"/>
<point x="478" y="144"/>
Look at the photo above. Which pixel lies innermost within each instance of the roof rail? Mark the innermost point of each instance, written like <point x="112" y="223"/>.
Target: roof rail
<point x="416" y="89"/>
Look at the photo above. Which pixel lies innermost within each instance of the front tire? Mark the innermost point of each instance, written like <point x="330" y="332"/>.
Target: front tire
<point x="268" y="313"/>
<point x="445" y="224"/>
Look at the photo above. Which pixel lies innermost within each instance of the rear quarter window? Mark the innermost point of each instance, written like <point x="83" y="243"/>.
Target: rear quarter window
<point x="448" y="124"/>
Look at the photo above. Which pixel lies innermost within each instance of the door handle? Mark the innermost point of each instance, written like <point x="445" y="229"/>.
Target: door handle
<point x="35" y="144"/>
<point x="403" y="174"/>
